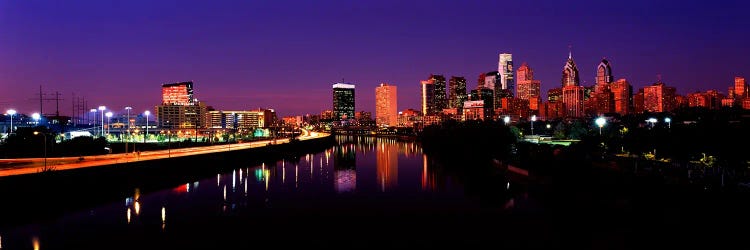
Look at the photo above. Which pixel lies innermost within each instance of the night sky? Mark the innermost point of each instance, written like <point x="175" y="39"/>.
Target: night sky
<point x="286" y="55"/>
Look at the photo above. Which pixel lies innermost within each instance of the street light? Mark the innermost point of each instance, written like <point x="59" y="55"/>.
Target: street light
<point x="147" y="113"/>
<point x="652" y="121"/>
<point x="109" y="118"/>
<point x="506" y="119"/>
<point x="102" y="108"/>
<point x="36" y="117"/>
<point x="600" y="122"/>
<point x="11" y="112"/>
<point x="668" y="121"/>
<point x="45" y="147"/>
<point x="533" y="119"/>
<point x="92" y="111"/>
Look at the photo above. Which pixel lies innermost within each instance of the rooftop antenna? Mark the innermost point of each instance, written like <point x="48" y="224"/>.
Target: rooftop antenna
<point x="570" y="51"/>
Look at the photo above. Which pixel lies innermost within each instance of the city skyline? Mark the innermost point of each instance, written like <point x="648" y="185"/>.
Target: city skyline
<point x="241" y="58"/>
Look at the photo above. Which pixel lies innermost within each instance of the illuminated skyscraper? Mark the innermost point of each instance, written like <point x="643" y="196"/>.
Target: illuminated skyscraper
<point x="622" y="92"/>
<point x="180" y="93"/>
<point x="179" y="109"/>
<point x="658" y="98"/>
<point x="572" y="92"/>
<point x="386" y="112"/>
<point x="428" y="97"/>
<point x="527" y="87"/>
<point x="433" y="95"/>
<point x="505" y="69"/>
<point x="457" y="92"/>
<point x="740" y="88"/>
<point x="343" y="101"/>
<point x="603" y="73"/>
<point x="441" y="100"/>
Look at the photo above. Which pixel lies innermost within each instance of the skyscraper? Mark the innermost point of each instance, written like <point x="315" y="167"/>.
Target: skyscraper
<point x="603" y="73"/>
<point x="572" y="92"/>
<point x="343" y="101"/>
<point x="180" y="93"/>
<point x="428" y="97"/>
<point x="386" y="112"/>
<point x="179" y="109"/>
<point x="441" y="100"/>
<point x="527" y="87"/>
<point x="740" y="88"/>
<point x="433" y="95"/>
<point x="505" y="69"/>
<point x="622" y="93"/>
<point x="457" y="92"/>
<point x="658" y="98"/>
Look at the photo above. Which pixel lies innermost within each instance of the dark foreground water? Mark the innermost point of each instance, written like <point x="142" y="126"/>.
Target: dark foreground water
<point x="380" y="193"/>
<point x="364" y="192"/>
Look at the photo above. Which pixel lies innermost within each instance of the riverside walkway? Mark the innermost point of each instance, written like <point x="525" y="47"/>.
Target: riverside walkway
<point x="20" y="166"/>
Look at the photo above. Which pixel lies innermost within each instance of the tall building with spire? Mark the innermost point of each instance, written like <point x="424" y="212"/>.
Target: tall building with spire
<point x="572" y="92"/>
<point x="386" y="99"/>
<point x="601" y="100"/>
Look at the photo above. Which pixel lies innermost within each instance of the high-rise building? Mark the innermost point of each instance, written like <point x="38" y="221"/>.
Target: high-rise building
<point x="441" y="100"/>
<point x="486" y="95"/>
<point x="638" y="102"/>
<point x="622" y="92"/>
<point x="428" y="97"/>
<point x="505" y="69"/>
<point x="343" y="101"/>
<point x="554" y="95"/>
<point x="179" y="109"/>
<point x="527" y="88"/>
<point x="740" y="88"/>
<point x="457" y="92"/>
<point x="572" y="92"/>
<point x="658" y="98"/>
<point x="386" y="100"/>
<point x="180" y="93"/>
<point x="241" y="119"/>
<point x="603" y="73"/>
<point x="434" y="99"/>
<point x="570" y="73"/>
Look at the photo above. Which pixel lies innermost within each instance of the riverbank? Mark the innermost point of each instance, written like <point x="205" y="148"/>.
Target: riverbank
<point x="43" y="196"/>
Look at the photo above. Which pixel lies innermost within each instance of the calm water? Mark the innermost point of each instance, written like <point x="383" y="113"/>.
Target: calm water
<point x="363" y="192"/>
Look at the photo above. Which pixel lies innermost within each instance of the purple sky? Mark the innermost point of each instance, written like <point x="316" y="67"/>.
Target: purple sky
<point x="286" y="55"/>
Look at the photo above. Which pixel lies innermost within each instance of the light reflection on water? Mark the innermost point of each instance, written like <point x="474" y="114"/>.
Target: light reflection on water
<point x="377" y="170"/>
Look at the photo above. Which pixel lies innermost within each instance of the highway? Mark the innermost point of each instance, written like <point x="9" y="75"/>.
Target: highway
<point x="35" y="165"/>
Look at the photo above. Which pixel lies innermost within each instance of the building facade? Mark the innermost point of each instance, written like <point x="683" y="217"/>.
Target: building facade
<point x="386" y="101"/>
<point x="343" y="101"/>
<point x="180" y="93"/>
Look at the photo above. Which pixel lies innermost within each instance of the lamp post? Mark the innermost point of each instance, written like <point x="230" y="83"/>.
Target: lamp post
<point x="147" y="113"/>
<point x="128" y="129"/>
<point x="45" y="147"/>
<point x="533" y="119"/>
<point x="109" y="118"/>
<point x="600" y="122"/>
<point x="101" y="109"/>
<point x="506" y="119"/>
<point x="11" y="112"/>
<point x="36" y="118"/>
<point x="93" y="112"/>
<point x="668" y="121"/>
<point x="652" y="121"/>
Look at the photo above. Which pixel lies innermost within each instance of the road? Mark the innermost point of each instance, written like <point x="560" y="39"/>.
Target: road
<point x="35" y="165"/>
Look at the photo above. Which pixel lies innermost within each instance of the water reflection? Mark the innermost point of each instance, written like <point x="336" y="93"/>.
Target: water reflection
<point x="384" y="171"/>
<point x="35" y="243"/>
<point x="387" y="164"/>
